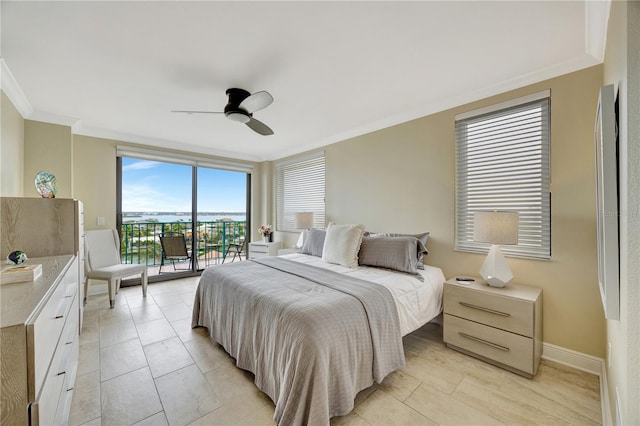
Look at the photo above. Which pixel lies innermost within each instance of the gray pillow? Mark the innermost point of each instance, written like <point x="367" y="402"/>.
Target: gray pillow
<point x="421" y="250"/>
<point x="314" y="242"/>
<point x="397" y="253"/>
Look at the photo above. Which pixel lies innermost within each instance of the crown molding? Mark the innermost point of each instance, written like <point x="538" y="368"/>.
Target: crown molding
<point x="12" y="89"/>
<point x="533" y="77"/>
<point x="62" y="120"/>
<point x="160" y="143"/>
<point x="596" y="19"/>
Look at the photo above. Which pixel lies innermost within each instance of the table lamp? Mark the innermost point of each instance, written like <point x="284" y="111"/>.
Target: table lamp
<point x="303" y="221"/>
<point x="497" y="228"/>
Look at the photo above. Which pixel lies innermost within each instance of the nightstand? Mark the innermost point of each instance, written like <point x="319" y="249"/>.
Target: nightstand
<point x="261" y="249"/>
<point x="502" y="326"/>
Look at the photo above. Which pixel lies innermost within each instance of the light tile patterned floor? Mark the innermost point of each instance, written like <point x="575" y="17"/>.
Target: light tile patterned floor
<point x="141" y="363"/>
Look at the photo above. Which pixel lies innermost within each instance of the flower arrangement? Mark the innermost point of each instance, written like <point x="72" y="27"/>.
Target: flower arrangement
<point x="265" y="230"/>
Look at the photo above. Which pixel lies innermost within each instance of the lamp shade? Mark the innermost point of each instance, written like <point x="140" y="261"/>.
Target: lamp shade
<point x="495" y="227"/>
<point x="303" y="220"/>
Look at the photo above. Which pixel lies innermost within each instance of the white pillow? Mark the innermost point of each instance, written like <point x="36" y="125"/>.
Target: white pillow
<point x="342" y="244"/>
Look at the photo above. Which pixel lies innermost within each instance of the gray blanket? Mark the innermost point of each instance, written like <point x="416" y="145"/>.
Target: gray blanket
<point x="312" y="337"/>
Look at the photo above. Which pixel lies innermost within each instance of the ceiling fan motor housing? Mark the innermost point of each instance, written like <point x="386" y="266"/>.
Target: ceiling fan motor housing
<point x="232" y="110"/>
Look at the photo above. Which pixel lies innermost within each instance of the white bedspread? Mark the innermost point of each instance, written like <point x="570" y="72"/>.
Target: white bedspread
<point x="418" y="301"/>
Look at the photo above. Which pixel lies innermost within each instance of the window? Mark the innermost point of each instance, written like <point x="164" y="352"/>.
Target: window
<point x="300" y="188"/>
<point x="502" y="163"/>
<point x="207" y="202"/>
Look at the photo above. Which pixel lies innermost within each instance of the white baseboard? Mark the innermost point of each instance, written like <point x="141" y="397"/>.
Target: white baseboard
<point x="584" y="362"/>
<point x="607" y="418"/>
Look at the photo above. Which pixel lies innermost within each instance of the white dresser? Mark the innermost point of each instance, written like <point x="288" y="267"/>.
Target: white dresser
<point x="41" y="319"/>
<point x="261" y="249"/>
<point x="40" y="344"/>
<point x="43" y="227"/>
<point x="502" y="326"/>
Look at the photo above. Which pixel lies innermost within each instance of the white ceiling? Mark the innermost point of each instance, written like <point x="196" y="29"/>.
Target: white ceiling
<point x="335" y="69"/>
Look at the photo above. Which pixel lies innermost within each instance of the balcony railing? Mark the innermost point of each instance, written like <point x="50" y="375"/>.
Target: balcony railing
<point x="141" y="240"/>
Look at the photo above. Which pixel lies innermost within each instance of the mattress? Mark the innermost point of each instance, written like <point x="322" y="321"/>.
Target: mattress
<point x="418" y="298"/>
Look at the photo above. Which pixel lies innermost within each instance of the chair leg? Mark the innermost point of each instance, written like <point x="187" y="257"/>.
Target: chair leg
<point x="144" y="283"/>
<point x="112" y="292"/>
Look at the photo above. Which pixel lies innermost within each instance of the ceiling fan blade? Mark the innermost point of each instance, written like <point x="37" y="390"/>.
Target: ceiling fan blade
<point x="199" y="112"/>
<point x="256" y="102"/>
<point x="259" y="127"/>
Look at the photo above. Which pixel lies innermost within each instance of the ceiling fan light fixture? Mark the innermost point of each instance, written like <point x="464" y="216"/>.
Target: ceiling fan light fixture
<point x="238" y="116"/>
<point x="241" y="107"/>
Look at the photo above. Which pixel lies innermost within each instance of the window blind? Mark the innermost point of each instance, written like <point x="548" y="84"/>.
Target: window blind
<point x="502" y="163"/>
<point x="300" y="187"/>
<point x="191" y="160"/>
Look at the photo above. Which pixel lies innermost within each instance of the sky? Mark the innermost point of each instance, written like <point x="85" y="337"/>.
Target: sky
<point x="150" y="186"/>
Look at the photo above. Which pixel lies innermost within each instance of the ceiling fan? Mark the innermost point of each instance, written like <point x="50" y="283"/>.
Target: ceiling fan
<point x="241" y="107"/>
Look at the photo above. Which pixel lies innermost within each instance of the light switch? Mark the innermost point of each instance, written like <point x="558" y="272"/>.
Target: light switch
<point x="101" y="221"/>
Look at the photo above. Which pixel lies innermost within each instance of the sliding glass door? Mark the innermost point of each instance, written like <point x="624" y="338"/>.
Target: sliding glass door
<point x="222" y="214"/>
<point x="180" y="218"/>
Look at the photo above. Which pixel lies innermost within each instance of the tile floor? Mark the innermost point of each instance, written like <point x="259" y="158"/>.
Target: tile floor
<point x="141" y="363"/>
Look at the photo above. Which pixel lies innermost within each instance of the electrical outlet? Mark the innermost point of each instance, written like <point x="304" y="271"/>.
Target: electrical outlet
<point x="101" y="221"/>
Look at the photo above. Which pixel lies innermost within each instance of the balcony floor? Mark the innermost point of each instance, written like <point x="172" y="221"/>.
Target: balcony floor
<point x="183" y="266"/>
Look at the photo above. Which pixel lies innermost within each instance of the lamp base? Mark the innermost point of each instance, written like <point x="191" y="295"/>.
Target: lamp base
<point x="495" y="269"/>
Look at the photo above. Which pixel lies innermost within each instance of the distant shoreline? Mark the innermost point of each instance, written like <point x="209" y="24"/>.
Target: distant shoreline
<point x="140" y="214"/>
<point x="171" y="217"/>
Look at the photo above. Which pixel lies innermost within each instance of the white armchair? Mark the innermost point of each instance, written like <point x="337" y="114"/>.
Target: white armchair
<point x="102" y="262"/>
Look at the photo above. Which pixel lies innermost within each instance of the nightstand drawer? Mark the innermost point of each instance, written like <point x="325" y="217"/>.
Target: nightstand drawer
<point x="258" y="248"/>
<point x="507" y="313"/>
<point x="491" y="343"/>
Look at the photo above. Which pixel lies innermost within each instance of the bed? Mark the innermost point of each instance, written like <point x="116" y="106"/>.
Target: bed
<point x="315" y="332"/>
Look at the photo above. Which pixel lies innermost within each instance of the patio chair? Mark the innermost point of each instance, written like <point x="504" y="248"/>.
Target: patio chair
<point x="102" y="262"/>
<point x="237" y="249"/>
<point x="174" y="248"/>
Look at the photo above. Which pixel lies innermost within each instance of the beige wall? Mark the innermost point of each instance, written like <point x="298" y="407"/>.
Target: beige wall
<point x="402" y="179"/>
<point x="622" y="68"/>
<point x="47" y="147"/>
<point x="11" y="150"/>
<point x="94" y="169"/>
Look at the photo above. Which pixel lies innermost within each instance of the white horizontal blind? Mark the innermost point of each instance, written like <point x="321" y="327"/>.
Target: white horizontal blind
<point x="502" y="163"/>
<point x="300" y="187"/>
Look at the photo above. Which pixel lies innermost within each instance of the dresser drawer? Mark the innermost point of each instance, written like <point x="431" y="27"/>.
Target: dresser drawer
<point x="44" y="333"/>
<point x="61" y="374"/>
<point x="507" y="313"/>
<point x="46" y="330"/>
<point x="491" y="343"/>
<point x="70" y="280"/>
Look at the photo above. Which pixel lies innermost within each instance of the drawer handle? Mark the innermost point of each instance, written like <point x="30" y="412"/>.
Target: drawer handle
<point x="61" y="309"/>
<point x="481" y="308"/>
<point x="65" y="360"/>
<point x="479" y="340"/>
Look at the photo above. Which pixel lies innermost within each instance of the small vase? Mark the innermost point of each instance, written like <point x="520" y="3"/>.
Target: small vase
<point x="266" y="238"/>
